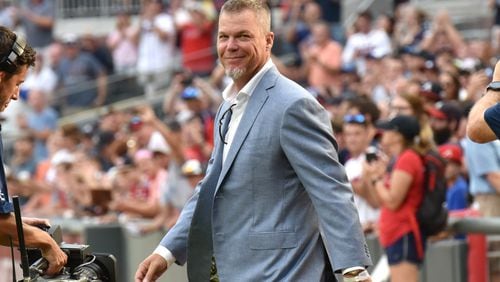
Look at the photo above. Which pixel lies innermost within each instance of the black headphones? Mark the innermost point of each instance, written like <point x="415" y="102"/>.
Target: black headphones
<point x="7" y="63"/>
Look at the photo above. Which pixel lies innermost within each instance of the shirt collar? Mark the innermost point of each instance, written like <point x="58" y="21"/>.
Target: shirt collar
<point x="230" y="95"/>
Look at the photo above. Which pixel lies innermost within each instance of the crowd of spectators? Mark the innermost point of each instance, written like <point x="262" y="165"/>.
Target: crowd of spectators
<point x="143" y="162"/>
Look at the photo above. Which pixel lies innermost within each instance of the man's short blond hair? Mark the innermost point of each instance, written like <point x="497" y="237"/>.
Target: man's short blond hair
<point x="259" y="7"/>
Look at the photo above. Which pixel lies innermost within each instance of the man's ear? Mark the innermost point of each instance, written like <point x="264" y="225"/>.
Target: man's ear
<point x="269" y="40"/>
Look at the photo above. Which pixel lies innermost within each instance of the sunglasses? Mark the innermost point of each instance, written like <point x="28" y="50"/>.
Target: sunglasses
<point x="358" y="119"/>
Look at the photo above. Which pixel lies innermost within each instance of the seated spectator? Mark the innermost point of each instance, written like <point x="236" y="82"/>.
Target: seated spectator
<point x="22" y="167"/>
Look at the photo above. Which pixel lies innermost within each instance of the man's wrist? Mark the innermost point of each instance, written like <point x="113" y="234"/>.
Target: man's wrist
<point x="166" y="254"/>
<point x="356" y="275"/>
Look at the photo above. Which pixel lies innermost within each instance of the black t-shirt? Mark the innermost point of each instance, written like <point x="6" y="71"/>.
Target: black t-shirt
<point x="492" y="118"/>
<point x="5" y="204"/>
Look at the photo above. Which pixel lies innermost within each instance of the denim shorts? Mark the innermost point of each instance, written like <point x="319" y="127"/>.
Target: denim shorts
<point x="404" y="249"/>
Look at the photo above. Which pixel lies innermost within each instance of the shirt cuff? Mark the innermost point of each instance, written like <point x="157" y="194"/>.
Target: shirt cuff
<point x="166" y="254"/>
<point x="352" y="269"/>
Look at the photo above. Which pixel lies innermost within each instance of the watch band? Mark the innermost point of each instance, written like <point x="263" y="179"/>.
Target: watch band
<point x="493" y="86"/>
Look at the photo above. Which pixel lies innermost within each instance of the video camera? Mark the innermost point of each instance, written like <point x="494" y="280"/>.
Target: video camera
<point x="82" y="265"/>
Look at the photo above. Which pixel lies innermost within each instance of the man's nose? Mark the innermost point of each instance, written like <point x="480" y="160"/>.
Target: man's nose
<point x="15" y="95"/>
<point x="232" y="44"/>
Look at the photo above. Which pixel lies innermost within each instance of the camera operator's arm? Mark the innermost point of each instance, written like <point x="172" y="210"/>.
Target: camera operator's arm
<point x="35" y="238"/>
<point x="478" y="130"/>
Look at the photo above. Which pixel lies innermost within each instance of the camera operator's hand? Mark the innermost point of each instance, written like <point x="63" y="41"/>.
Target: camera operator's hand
<point x="41" y="240"/>
<point x="36" y="221"/>
<point x="151" y="268"/>
<point x="56" y="258"/>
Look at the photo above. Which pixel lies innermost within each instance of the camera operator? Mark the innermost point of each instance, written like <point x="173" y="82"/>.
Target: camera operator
<point x="16" y="57"/>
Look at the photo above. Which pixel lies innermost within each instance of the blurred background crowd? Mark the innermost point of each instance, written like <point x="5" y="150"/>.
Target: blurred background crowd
<point x="152" y="86"/>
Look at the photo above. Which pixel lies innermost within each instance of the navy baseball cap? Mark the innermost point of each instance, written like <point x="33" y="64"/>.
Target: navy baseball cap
<point x="407" y="126"/>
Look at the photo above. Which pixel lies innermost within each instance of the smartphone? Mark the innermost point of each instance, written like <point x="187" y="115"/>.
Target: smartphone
<point x="371" y="154"/>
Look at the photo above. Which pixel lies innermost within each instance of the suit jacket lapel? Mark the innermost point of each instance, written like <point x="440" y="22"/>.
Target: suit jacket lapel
<point x="257" y="100"/>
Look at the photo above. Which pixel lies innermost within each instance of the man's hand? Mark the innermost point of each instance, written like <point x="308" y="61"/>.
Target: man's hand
<point x="151" y="269"/>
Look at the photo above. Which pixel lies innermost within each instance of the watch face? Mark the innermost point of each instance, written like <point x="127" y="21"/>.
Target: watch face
<point x="495" y="85"/>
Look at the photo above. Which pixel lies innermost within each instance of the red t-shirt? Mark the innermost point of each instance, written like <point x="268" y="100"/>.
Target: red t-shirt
<point x="394" y="224"/>
<point x="197" y="47"/>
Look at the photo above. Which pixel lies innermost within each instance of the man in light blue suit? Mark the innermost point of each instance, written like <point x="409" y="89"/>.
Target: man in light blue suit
<point x="275" y="204"/>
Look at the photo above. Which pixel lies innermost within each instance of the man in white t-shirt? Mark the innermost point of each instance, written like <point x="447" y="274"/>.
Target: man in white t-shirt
<point x="156" y="57"/>
<point x="357" y="140"/>
<point x="365" y="42"/>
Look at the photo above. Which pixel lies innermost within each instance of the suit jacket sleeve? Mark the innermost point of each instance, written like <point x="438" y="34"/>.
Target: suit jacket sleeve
<point x="307" y="140"/>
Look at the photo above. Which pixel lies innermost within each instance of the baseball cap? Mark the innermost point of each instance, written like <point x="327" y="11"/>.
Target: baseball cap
<point x="407" y="126"/>
<point x="431" y="90"/>
<point x="451" y="152"/>
<point x="449" y="110"/>
<point x="192" y="167"/>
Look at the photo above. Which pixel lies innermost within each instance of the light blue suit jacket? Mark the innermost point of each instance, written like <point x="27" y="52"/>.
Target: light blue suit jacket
<point x="280" y="184"/>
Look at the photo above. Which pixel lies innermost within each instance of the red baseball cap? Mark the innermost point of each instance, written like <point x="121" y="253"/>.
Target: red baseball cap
<point x="451" y="152"/>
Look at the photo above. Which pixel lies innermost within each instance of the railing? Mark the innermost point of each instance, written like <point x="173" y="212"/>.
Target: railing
<point x="95" y="8"/>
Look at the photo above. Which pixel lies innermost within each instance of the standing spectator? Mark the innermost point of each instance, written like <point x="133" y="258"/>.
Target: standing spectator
<point x="42" y="78"/>
<point x="399" y="192"/>
<point x="332" y="14"/>
<point x="495" y="5"/>
<point x="303" y="14"/>
<point x="7" y="14"/>
<point x="409" y="28"/>
<point x="457" y="194"/>
<point x="40" y="122"/>
<point x="483" y="163"/>
<point x="323" y="60"/>
<point x="196" y="42"/>
<point x="123" y="45"/>
<point x="37" y="19"/>
<point x="357" y="137"/>
<point x="365" y="41"/>
<point x="77" y="73"/>
<point x="442" y="35"/>
<point x="98" y="49"/>
<point x="445" y="121"/>
<point x="156" y="37"/>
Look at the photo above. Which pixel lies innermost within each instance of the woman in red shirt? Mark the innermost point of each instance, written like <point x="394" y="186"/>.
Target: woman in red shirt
<point x="398" y="188"/>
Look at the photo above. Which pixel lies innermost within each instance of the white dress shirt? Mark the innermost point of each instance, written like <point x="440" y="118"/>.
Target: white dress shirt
<point x="240" y="100"/>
